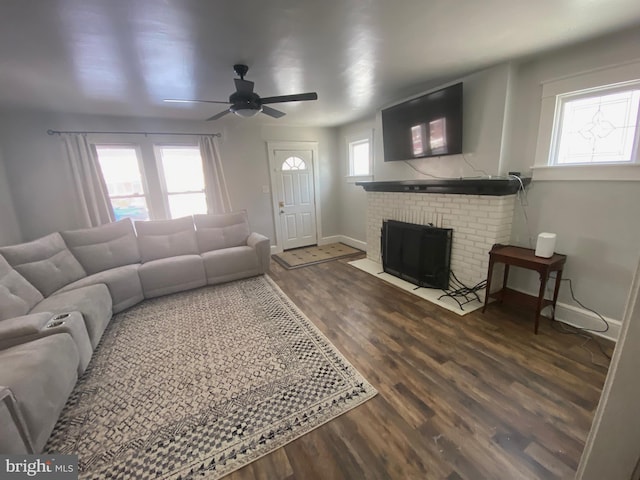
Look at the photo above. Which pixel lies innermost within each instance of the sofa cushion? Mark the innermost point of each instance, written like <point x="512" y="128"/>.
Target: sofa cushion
<point x="93" y="301"/>
<point x="46" y="263"/>
<point x="221" y="231"/>
<point x="230" y="264"/>
<point x="123" y="284"/>
<point x="170" y="275"/>
<point x="166" y="238"/>
<point x="17" y="296"/>
<point x="107" y="246"/>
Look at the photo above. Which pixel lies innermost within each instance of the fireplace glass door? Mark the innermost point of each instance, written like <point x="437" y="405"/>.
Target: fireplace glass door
<point x="420" y="254"/>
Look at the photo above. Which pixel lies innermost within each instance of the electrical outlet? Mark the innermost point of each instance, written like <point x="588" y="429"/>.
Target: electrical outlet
<point x="265" y="189"/>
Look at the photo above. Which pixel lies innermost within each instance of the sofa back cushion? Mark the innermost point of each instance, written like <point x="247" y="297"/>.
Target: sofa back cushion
<point x="46" y="263"/>
<point x="166" y="238"/>
<point x="222" y="231"/>
<point x="104" y="247"/>
<point x="17" y="296"/>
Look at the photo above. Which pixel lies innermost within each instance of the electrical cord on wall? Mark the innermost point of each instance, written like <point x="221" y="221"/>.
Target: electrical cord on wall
<point x="484" y="173"/>
<point x="425" y="174"/>
<point x="474" y="168"/>
<point x="524" y="203"/>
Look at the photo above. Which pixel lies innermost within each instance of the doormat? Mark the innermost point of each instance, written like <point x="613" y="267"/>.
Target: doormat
<point x="303" y="257"/>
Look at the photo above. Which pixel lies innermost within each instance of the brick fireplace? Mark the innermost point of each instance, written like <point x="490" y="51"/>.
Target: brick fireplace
<point x="478" y="220"/>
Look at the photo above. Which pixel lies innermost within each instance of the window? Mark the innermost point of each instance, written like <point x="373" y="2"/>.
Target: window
<point x="181" y="169"/>
<point x="598" y="126"/>
<point x="359" y="151"/>
<point x="589" y="127"/>
<point x="294" y="163"/>
<point x="120" y="167"/>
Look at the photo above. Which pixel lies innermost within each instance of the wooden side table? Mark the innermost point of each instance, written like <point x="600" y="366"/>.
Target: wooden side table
<point x="525" y="258"/>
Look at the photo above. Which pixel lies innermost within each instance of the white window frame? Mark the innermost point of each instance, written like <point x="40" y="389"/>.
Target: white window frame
<point x="352" y="141"/>
<point x="552" y="93"/>
<point x="143" y="176"/>
<point x="163" y="181"/>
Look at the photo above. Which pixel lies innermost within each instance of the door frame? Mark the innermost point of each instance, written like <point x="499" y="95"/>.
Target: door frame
<point x="272" y="146"/>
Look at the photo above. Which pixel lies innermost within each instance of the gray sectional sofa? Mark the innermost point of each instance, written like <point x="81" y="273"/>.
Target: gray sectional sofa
<point x="58" y="294"/>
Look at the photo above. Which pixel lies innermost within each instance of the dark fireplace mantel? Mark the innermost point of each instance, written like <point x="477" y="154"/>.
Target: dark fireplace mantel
<point x="464" y="186"/>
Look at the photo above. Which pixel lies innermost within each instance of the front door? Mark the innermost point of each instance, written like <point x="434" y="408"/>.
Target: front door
<point x="295" y="196"/>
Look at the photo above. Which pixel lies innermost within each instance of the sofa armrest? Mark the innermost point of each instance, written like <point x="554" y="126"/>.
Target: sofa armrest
<point x="262" y="246"/>
<point x="15" y="436"/>
<point x="23" y="326"/>
<point x="18" y="330"/>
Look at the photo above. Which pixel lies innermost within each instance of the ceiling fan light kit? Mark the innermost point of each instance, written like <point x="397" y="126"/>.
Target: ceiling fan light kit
<point x="245" y="103"/>
<point x="245" y="111"/>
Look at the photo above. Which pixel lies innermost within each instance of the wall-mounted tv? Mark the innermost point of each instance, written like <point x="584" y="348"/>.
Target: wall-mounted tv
<point x="427" y="126"/>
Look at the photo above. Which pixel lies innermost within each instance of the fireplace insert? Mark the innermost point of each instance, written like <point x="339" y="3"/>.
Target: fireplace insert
<point x="420" y="254"/>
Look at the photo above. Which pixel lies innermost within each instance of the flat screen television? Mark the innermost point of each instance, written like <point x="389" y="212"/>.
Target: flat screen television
<point x="427" y="126"/>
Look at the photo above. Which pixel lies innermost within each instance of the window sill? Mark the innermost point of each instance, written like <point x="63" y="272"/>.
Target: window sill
<point x="359" y="178"/>
<point x="614" y="172"/>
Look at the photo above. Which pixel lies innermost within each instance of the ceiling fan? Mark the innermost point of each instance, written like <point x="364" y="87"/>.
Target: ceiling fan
<point x="244" y="102"/>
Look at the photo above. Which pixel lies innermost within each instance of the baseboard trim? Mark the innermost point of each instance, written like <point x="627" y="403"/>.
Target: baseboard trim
<point x="581" y="318"/>
<point x="352" y="242"/>
<point x="275" y="249"/>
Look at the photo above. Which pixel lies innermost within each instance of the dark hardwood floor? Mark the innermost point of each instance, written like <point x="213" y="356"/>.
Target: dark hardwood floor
<point x="470" y="397"/>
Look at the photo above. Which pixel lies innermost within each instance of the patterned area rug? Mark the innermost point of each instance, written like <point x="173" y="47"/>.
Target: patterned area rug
<point x="200" y="383"/>
<point x="302" y="257"/>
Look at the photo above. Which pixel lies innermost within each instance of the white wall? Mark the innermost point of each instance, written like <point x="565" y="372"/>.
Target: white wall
<point x="40" y="179"/>
<point x="353" y="198"/>
<point x="596" y="222"/>
<point x="612" y="449"/>
<point x="9" y="227"/>
<point x="484" y="105"/>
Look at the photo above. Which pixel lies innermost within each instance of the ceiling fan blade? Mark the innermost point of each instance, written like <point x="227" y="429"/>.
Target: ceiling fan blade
<point x="243" y="86"/>
<point x="218" y="115"/>
<point x="272" y="112"/>
<point x="291" y="98"/>
<point x="176" y="100"/>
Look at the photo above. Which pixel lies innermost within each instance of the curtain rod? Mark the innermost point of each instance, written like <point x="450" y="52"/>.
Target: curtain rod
<point x="57" y="132"/>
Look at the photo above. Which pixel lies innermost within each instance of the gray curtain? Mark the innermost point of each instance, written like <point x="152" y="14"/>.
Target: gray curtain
<point x="93" y="198"/>
<point x="215" y="184"/>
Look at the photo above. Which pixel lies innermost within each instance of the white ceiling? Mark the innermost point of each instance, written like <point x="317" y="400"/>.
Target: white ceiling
<point x="122" y="57"/>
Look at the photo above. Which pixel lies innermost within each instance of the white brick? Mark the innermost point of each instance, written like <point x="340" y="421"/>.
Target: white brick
<point x="478" y="222"/>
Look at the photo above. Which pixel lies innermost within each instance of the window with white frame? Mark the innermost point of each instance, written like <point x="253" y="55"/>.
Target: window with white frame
<point x="597" y="126"/>
<point x="121" y="169"/>
<point x="360" y="156"/>
<point x="589" y="126"/>
<point x="183" y="178"/>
